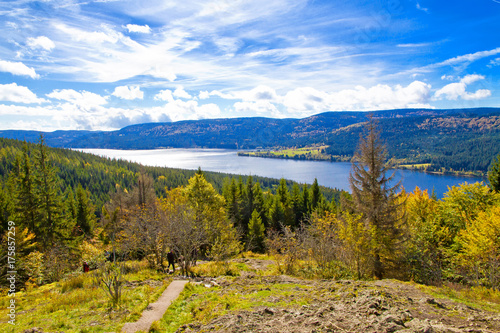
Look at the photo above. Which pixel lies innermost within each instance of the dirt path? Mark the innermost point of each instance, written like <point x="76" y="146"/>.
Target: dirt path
<point x="155" y="311"/>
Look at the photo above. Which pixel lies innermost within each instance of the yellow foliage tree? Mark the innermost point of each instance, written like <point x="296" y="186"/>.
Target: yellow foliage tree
<point x="480" y="252"/>
<point x="358" y="242"/>
<point x="209" y="208"/>
<point x="426" y="235"/>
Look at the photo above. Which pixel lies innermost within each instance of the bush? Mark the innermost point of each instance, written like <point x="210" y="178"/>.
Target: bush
<point x="73" y="283"/>
<point x="214" y="269"/>
<point x="110" y="278"/>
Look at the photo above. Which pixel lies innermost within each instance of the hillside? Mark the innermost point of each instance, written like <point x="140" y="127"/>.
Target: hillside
<point x="257" y="300"/>
<point x="457" y="139"/>
<point x="100" y="176"/>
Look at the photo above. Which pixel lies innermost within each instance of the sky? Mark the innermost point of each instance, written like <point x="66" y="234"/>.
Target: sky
<point x="107" y="64"/>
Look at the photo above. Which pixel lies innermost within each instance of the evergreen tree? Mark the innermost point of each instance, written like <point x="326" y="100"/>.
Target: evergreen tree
<point x="316" y="195"/>
<point x="242" y="223"/>
<point x="283" y="196"/>
<point x="259" y="203"/>
<point x="233" y="203"/>
<point x="297" y="205"/>
<point x="306" y="201"/>
<point x="277" y="217"/>
<point x="26" y="202"/>
<point x="53" y="225"/>
<point x="85" y="217"/>
<point x="249" y="202"/>
<point x="256" y="232"/>
<point x="494" y="174"/>
<point x="70" y="204"/>
<point x="374" y="197"/>
<point x="5" y="210"/>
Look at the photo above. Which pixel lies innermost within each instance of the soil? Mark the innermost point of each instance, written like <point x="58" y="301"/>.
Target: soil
<point x="348" y="306"/>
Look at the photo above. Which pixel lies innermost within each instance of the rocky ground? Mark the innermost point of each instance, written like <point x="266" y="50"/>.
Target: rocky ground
<point x="347" y="306"/>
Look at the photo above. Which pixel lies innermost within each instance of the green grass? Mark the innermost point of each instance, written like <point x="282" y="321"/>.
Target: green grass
<point x="308" y="153"/>
<point x="78" y="305"/>
<point x="477" y="297"/>
<point x="200" y="304"/>
<point x="214" y="269"/>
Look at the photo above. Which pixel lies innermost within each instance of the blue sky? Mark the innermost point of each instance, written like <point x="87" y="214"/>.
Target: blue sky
<point x="106" y="64"/>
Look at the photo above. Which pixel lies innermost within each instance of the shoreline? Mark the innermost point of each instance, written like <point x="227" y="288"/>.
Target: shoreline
<point x="332" y="159"/>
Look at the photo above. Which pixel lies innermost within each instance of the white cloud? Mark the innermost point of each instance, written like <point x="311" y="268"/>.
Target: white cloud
<point x="83" y="98"/>
<point x="494" y="62"/>
<point x="457" y="90"/>
<point x="18" y="68"/>
<point x="265" y="108"/>
<point x="307" y="101"/>
<point x="18" y="94"/>
<point x="204" y="95"/>
<point x="448" y="77"/>
<point x="106" y="35"/>
<point x="468" y="79"/>
<point x="40" y="42"/>
<point x="130" y="93"/>
<point x="143" y="29"/>
<point x="164" y="95"/>
<point x="186" y="110"/>
<point x="228" y="45"/>
<point x="260" y="92"/>
<point x="471" y="57"/>
<point x="419" y="7"/>
<point x="181" y="93"/>
<point x="459" y="63"/>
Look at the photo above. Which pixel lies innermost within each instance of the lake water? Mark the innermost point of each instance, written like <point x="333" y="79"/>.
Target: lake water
<point x="334" y="175"/>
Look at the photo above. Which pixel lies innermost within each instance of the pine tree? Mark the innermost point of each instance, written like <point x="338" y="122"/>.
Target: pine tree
<point x="283" y="196"/>
<point x="70" y="204"/>
<point x="85" y="217"/>
<point x="259" y="203"/>
<point x="5" y="210"/>
<point x="26" y="202"/>
<point x="256" y="232"/>
<point x="249" y="202"/>
<point x="234" y="203"/>
<point x="374" y="197"/>
<point x="53" y="226"/>
<point x="282" y="193"/>
<point x="277" y="217"/>
<point x="316" y="195"/>
<point x="297" y="204"/>
<point x="306" y="201"/>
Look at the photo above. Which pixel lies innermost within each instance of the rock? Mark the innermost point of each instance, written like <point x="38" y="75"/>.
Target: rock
<point x="269" y="311"/>
<point x="432" y="301"/>
<point x="420" y="326"/>
<point x="33" y="330"/>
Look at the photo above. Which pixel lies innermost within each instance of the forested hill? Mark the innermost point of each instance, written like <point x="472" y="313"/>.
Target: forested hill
<point x="101" y="176"/>
<point x="244" y="133"/>
<point x="457" y="139"/>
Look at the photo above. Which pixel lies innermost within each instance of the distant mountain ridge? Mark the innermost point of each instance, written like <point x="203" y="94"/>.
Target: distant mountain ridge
<point x="233" y="133"/>
<point x="419" y="135"/>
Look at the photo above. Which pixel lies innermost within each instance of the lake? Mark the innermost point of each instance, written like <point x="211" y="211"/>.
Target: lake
<point x="334" y="175"/>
